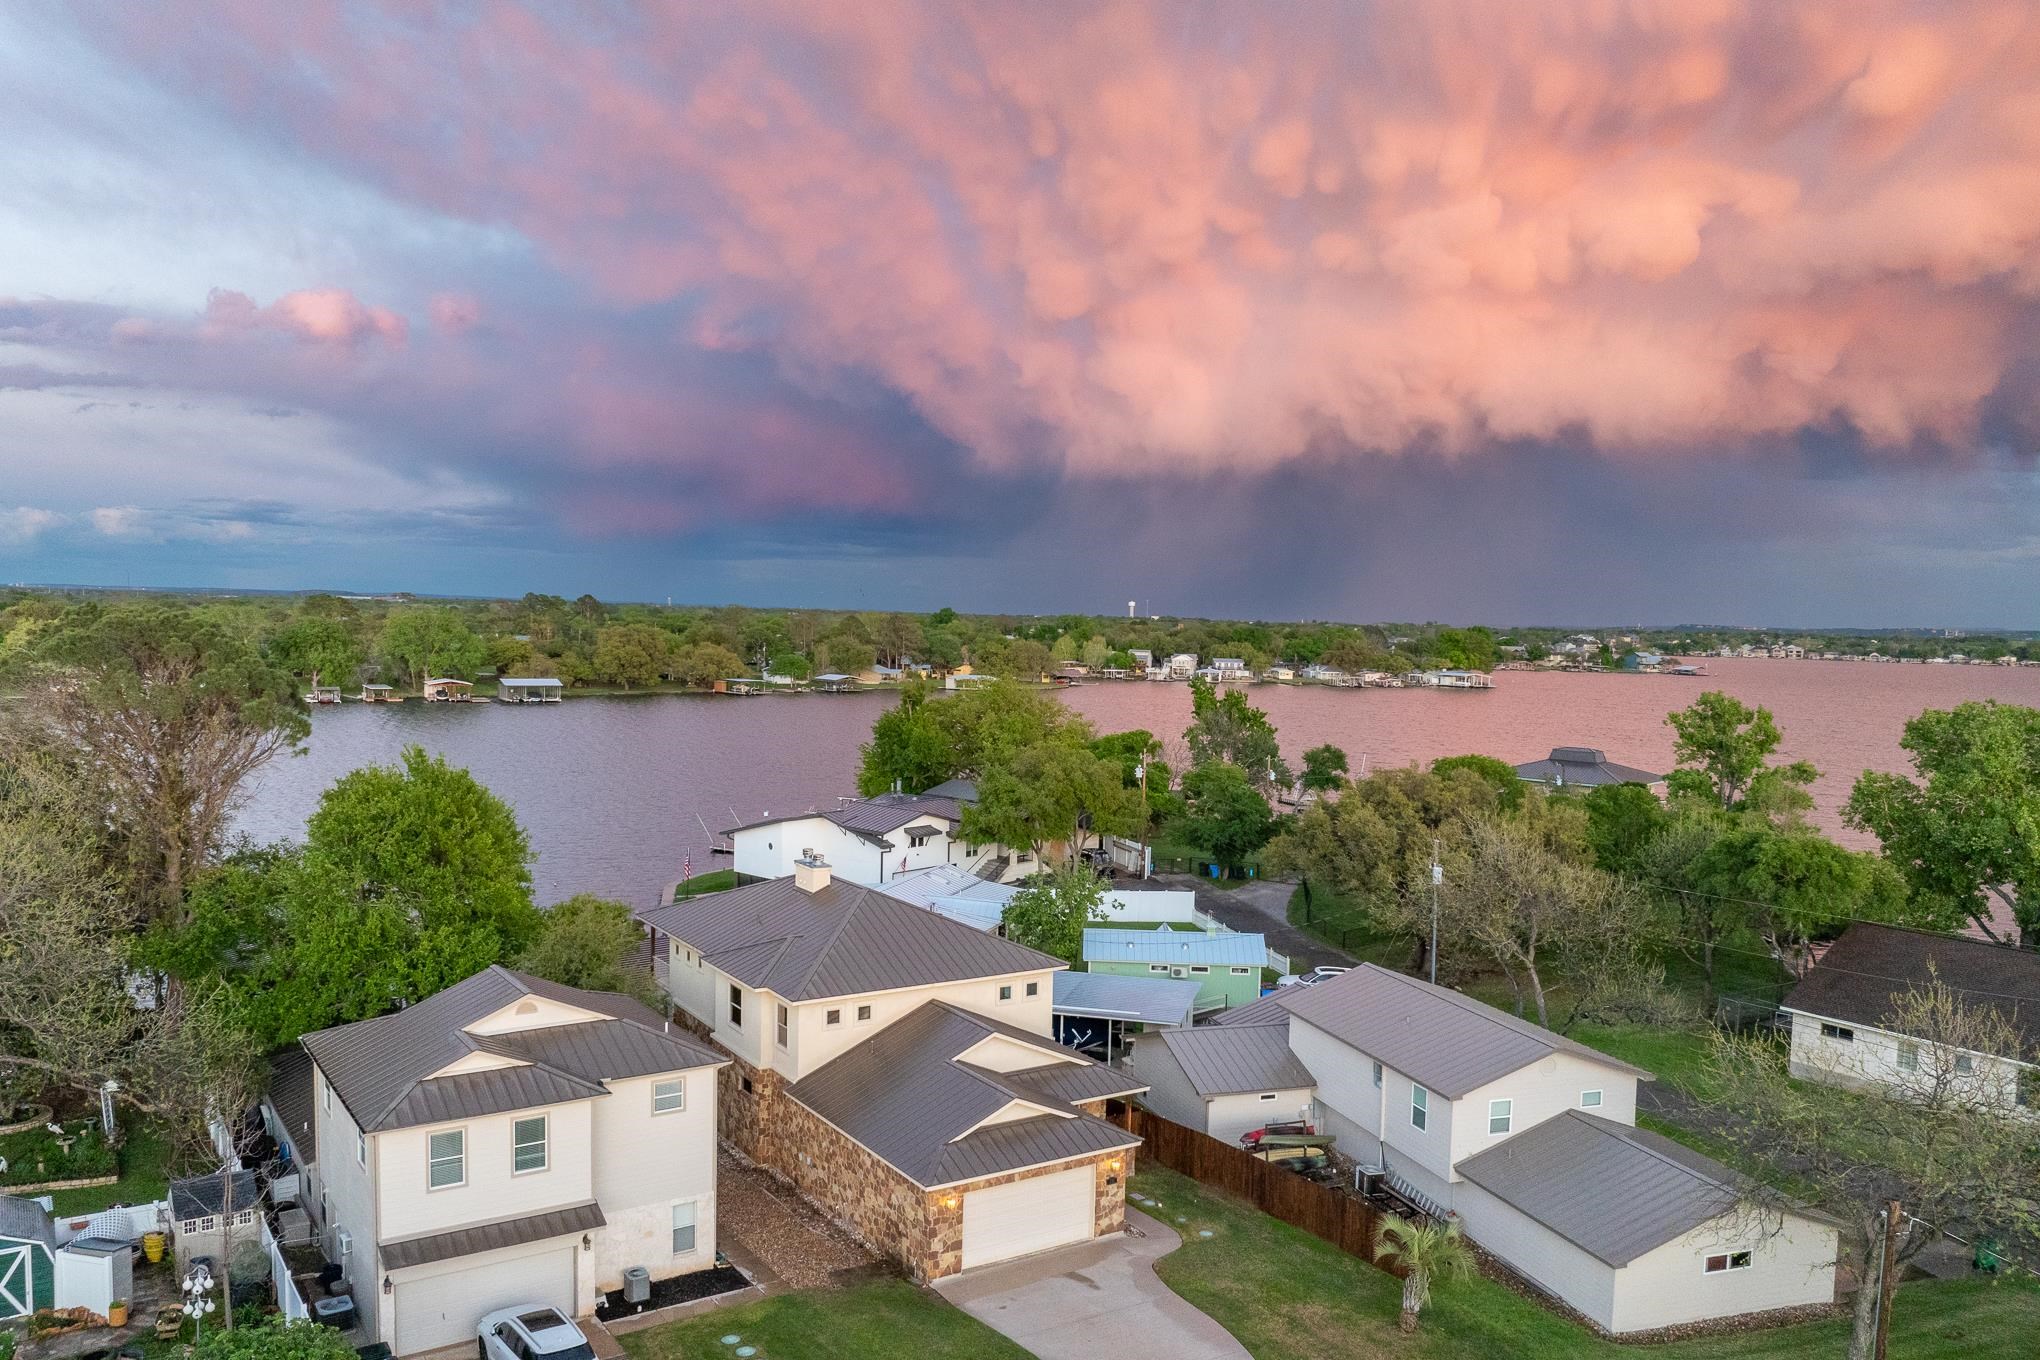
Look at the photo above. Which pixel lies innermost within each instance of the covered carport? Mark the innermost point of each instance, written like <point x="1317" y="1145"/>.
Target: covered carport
<point x="1091" y="1011"/>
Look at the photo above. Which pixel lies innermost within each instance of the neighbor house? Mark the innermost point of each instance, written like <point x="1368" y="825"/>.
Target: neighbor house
<point x="896" y="1067"/>
<point x="1224" y="1080"/>
<point x="1227" y="965"/>
<point x="509" y="1141"/>
<point x="1583" y="767"/>
<point x="1845" y="1031"/>
<point x="874" y="840"/>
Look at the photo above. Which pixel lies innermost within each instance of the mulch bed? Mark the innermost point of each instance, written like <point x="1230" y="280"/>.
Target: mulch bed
<point x="689" y="1288"/>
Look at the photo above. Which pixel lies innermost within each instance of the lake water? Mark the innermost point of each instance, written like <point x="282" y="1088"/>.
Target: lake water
<point x="615" y="792"/>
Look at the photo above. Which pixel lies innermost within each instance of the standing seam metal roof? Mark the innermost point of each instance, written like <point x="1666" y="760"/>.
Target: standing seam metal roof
<point x="508" y="1232"/>
<point x="1441" y="1039"/>
<point x="1585" y="766"/>
<point x="1238" y="949"/>
<point x="1115" y="996"/>
<point x="1233" y="1059"/>
<point x="841" y="940"/>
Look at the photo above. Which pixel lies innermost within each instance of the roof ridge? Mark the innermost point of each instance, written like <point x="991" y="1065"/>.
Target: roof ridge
<point x="830" y="939"/>
<point x="1478" y="1009"/>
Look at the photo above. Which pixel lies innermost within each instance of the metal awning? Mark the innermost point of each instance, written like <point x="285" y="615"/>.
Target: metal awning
<point x="1143" y="1000"/>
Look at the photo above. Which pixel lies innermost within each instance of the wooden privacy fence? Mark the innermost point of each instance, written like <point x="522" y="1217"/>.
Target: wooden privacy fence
<point x="1348" y="1223"/>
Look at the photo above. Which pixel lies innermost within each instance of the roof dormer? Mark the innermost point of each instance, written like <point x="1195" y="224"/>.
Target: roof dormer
<point x="531" y="1012"/>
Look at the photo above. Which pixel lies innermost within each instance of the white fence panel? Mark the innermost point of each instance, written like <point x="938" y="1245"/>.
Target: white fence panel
<point x="1132" y="904"/>
<point x="123" y="1224"/>
<point x="288" y="1301"/>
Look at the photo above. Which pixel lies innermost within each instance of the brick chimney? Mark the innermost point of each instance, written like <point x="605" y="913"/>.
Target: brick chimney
<point x="810" y="872"/>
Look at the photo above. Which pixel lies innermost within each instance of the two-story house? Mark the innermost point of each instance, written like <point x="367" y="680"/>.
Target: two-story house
<point x="874" y="840"/>
<point x="508" y="1141"/>
<point x="896" y="1067"/>
<point x="1530" y="1139"/>
<point x="1845" y="1031"/>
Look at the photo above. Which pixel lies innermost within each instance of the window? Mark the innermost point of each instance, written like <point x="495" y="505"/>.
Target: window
<point x="447" y="1160"/>
<point x="863" y="1014"/>
<point x="736" y="1006"/>
<point x="1727" y="1260"/>
<point x="1590" y="1100"/>
<point x="205" y="1225"/>
<point x="915" y="838"/>
<point x="325" y="1096"/>
<point x="2028" y="1092"/>
<point x="361" y="1147"/>
<point x="1158" y="968"/>
<point x="1964" y="1063"/>
<point x="833" y="1016"/>
<point x="1200" y="968"/>
<point x="1034" y="989"/>
<point x="1267" y="1095"/>
<point x="1501" y="1114"/>
<point x="527" y="1145"/>
<point x="1908" y="1056"/>
<point x="779" y="1027"/>
<point x="1006" y="992"/>
<point x="1840" y="1033"/>
<point x="1377" y="1076"/>
<point x="683" y="1228"/>
<point x="669" y="1095"/>
<point x="1241" y="972"/>
<point x="1420" y="1108"/>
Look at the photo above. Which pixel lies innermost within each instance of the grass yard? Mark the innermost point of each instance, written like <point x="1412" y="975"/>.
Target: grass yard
<point x="1677" y="1056"/>
<point x="715" y="880"/>
<point x="1146" y="925"/>
<point x="144" y="1178"/>
<point x="1288" y="1296"/>
<point x="881" y="1320"/>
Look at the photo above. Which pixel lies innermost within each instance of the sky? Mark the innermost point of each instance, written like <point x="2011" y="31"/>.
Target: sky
<point x="1706" y="310"/>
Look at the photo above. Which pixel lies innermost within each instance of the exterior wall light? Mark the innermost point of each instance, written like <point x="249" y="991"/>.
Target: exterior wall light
<point x="385" y="1284"/>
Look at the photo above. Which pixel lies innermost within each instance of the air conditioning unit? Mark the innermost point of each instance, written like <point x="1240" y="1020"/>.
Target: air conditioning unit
<point x="637" y="1285"/>
<point x="1179" y="971"/>
<point x="344" y="1242"/>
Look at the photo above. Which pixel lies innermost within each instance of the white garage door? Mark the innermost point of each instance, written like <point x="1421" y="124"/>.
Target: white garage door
<point x="442" y="1310"/>
<point x="1030" y="1215"/>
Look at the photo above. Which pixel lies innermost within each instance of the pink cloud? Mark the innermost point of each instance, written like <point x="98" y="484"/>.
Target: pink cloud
<point x="455" y="313"/>
<point x="323" y="315"/>
<point x="1116" y="241"/>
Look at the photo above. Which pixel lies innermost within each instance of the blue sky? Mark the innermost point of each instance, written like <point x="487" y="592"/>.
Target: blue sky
<point x="1332" y="311"/>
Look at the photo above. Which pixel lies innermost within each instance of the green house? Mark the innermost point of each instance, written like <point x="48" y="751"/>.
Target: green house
<point x="28" y="1267"/>
<point x="1226" y="965"/>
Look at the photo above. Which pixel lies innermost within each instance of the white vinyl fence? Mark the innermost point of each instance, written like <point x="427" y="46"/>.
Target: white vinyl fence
<point x="288" y="1300"/>
<point x="124" y="1224"/>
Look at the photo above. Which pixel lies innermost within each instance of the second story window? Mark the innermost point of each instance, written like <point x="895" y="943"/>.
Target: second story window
<point x="1006" y="992"/>
<point x="361" y="1147"/>
<point x="736" y="1006"/>
<point x="1590" y="1100"/>
<point x="669" y="1095"/>
<point x="448" y="1160"/>
<point x="527" y="1145"/>
<point x="779" y="1026"/>
<point x="863" y="1014"/>
<point x="1501" y="1116"/>
<point x="1420" y="1108"/>
<point x="833" y="1016"/>
<point x="1377" y="1076"/>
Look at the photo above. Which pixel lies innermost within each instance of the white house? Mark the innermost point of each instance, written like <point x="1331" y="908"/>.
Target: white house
<point x="509" y="1141"/>
<point x="1224" y="1080"/>
<point x="874" y="840"/>
<point x="1182" y="665"/>
<point x="1844" y="1032"/>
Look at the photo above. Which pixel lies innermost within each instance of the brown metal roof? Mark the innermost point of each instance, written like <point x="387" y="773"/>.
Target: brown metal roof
<point x="290" y="1095"/>
<point x="382" y="1068"/>
<point x="1861" y="976"/>
<point x="1230" y="1059"/>
<point x="872" y="818"/>
<point x="1441" y="1039"/>
<point x="841" y="940"/>
<point x="906" y="1095"/>
<point x="507" y="1232"/>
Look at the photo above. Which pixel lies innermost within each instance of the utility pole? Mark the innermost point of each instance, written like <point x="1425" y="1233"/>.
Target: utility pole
<point x="1437" y="877"/>
<point x="1887" y="1280"/>
<point x="1141" y="770"/>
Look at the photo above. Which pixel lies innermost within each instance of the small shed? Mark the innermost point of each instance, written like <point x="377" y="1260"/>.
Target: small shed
<point x="199" y="1217"/>
<point x="28" y="1246"/>
<point x="94" y="1272"/>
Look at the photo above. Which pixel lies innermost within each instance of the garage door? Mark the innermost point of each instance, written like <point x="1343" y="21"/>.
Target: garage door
<point x="442" y="1310"/>
<point x="1030" y="1215"/>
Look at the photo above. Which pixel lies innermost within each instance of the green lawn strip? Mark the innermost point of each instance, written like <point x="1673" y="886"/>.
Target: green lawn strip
<point x="876" y="1321"/>
<point x="715" y="880"/>
<point x="1113" y="924"/>
<point x="1677" y="1056"/>
<point x="1288" y="1296"/>
<point x="144" y="1178"/>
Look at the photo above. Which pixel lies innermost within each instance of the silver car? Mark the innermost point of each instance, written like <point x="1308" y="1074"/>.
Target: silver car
<point x="530" y="1333"/>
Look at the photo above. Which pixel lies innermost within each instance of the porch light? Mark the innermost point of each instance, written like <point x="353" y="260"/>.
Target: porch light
<point x="385" y="1284"/>
<point x="1112" y="1165"/>
<point x="950" y="1201"/>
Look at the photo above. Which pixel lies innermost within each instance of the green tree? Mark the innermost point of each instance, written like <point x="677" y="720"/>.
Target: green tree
<point x="1792" y="887"/>
<point x="595" y="944"/>
<point x="1430" y="1254"/>
<point x="908" y="749"/>
<point x="1050" y="913"/>
<point x="1722" y="747"/>
<point x="424" y="641"/>
<point x="1622" y="821"/>
<point x="701" y="664"/>
<point x="160" y="718"/>
<point x="1225" y="727"/>
<point x="1966" y="833"/>
<point x="1324" y="768"/>
<point x="632" y="654"/>
<point x="317" y="647"/>
<point x="1224" y="814"/>
<point x="1046" y="795"/>
<point x="1501" y="775"/>
<point x="791" y="664"/>
<point x="273" y="1339"/>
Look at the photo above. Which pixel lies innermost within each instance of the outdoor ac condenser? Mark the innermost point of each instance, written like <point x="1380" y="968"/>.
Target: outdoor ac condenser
<point x="637" y="1285"/>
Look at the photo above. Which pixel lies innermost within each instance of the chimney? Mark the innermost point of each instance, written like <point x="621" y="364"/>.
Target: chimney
<point x="810" y="872"/>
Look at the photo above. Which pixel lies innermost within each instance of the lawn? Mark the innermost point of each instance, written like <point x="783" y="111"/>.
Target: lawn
<point x="1676" y="1056"/>
<point x="1288" y="1296"/>
<point x="144" y="1178"/>
<point x="881" y="1320"/>
<point x="715" y="880"/>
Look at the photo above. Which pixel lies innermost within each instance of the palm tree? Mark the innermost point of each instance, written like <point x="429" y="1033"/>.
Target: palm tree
<point x="1428" y="1252"/>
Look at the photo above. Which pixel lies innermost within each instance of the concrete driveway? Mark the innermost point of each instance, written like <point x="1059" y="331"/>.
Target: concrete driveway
<point x="1099" y="1298"/>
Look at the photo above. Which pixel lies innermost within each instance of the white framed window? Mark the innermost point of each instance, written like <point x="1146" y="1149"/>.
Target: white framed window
<point x="669" y="1095"/>
<point x="1839" y="1033"/>
<point x="1964" y="1063"/>
<point x="1200" y="967"/>
<point x="683" y="1228"/>
<point x="1034" y="989"/>
<point x="1006" y="991"/>
<point x="1158" y="968"/>
<point x="1242" y="972"/>
<point x="1590" y="1100"/>
<point x="1722" y="1261"/>
<point x="446" y="1160"/>
<point x="205" y="1225"/>
<point x="1377" y="1076"/>
<point x="325" y="1096"/>
<point x="736" y="1005"/>
<point x="779" y="1025"/>
<point x="833" y="1016"/>
<point x="1420" y="1108"/>
<point x="527" y="1145"/>
<point x="1908" y="1056"/>
<point x="1267" y="1095"/>
<point x="1501" y="1116"/>
<point x="863" y="1015"/>
<point x="360" y="1148"/>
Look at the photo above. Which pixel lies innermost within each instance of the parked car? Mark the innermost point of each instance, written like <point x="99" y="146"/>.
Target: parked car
<point x="532" y="1332"/>
<point x="1310" y="979"/>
